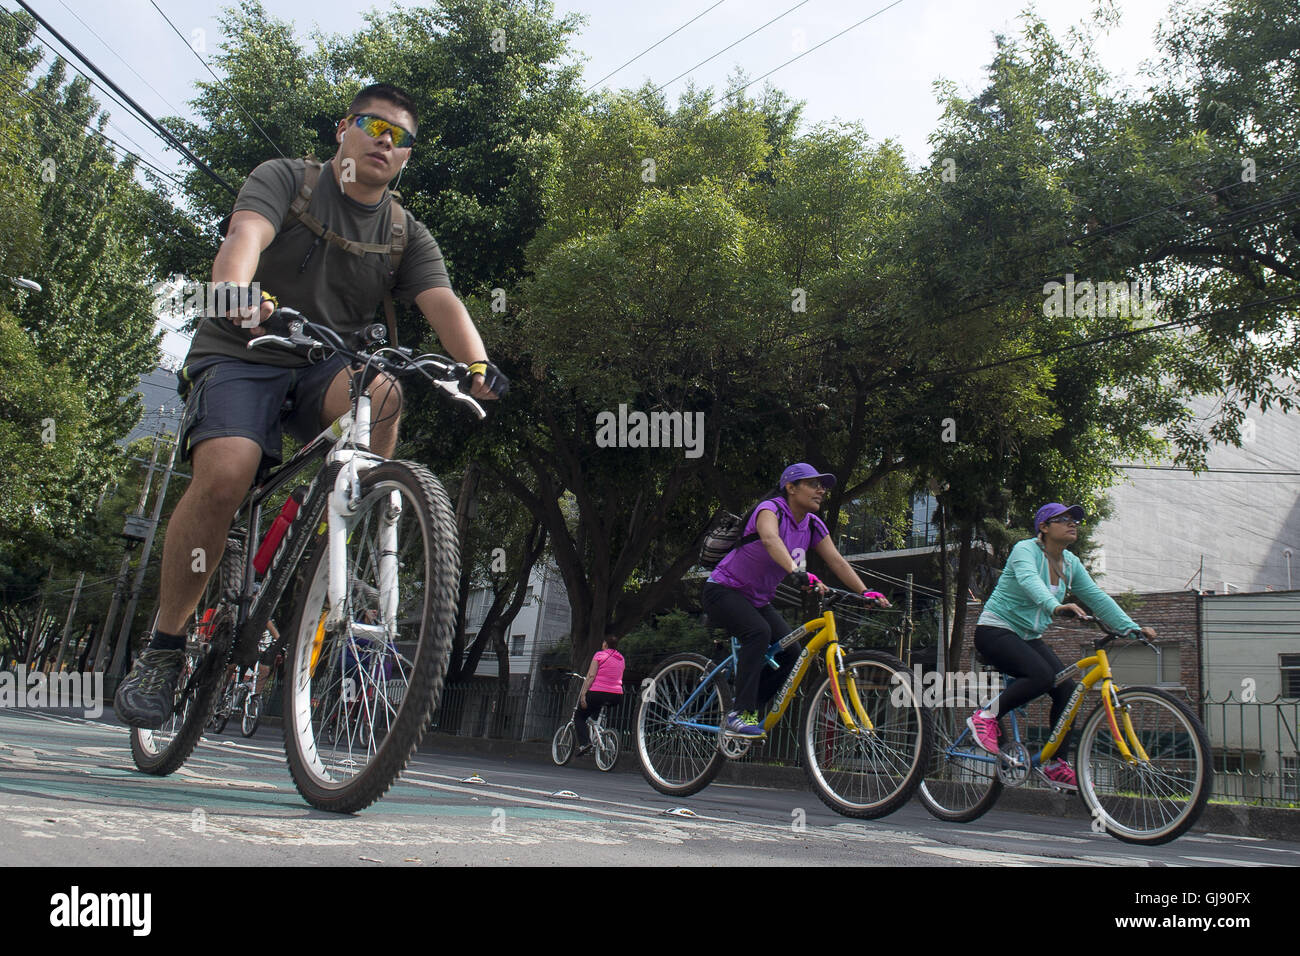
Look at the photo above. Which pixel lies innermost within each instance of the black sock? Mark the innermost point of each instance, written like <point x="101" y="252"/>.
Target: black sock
<point x="167" y="642"/>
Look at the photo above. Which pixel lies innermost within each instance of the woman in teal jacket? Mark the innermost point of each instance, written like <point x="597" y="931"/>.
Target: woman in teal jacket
<point x="1009" y="632"/>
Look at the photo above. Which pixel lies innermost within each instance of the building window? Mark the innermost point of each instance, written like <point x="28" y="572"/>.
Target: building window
<point x="1135" y="664"/>
<point x="1290" y="778"/>
<point x="1290" y="665"/>
<point x="476" y="608"/>
<point x="517" y="645"/>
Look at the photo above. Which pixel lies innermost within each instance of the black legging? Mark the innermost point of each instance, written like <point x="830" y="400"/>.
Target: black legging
<point x="756" y="628"/>
<point x="597" y="700"/>
<point x="1033" y="665"/>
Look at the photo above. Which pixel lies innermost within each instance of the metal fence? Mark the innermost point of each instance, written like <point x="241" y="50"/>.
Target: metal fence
<point x="1256" y="747"/>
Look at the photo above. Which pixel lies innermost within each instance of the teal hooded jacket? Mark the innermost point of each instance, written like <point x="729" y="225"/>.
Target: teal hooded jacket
<point x="1024" y="599"/>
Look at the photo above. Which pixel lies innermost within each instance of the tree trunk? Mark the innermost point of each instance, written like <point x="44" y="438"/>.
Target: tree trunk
<point x="961" y="588"/>
<point x="465" y="501"/>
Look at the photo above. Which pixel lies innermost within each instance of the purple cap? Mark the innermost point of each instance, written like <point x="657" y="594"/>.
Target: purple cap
<point x="802" y="470"/>
<point x="1054" y="510"/>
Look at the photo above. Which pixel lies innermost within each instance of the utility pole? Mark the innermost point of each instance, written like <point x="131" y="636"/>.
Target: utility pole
<point x="124" y="636"/>
<point x="132" y="533"/>
<point x="72" y="608"/>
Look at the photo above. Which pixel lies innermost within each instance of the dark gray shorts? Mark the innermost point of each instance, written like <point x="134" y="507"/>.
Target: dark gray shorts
<point x="225" y="397"/>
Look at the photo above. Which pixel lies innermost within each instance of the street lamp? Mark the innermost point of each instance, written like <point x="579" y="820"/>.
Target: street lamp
<point x="24" y="283"/>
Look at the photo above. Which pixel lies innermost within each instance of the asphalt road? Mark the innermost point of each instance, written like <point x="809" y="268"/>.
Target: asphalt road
<point x="71" y="796"/>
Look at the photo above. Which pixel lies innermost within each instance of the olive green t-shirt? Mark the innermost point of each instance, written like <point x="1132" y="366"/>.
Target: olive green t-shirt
<point x="335" y="288"/>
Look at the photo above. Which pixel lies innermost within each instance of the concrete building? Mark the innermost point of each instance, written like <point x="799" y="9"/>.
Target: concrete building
<point x="542" y="622"/>
<point x="1233" y="528"/>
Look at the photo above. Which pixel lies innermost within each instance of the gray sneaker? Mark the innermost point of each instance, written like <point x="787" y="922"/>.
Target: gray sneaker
<point x="147" y="696"/>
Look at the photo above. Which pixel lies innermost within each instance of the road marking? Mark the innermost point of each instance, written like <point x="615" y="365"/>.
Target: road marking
<point x="1023" y="835"/>
<point x="1217" y="859"/>
<point x="997" y="858"/>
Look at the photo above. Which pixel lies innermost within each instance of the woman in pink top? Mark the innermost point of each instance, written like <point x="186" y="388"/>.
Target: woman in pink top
<point x="603" y="686"/>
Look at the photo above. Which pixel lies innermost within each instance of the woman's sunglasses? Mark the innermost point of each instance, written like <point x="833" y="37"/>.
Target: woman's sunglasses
<point x="375" y="127"/>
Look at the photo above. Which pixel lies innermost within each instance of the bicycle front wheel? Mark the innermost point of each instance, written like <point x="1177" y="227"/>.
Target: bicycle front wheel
<point x="677" y="726"/>
<point x="1145" y="800"/>
<point x="859" y="772"/>
<point x="961" y="780"/>
<point x="562" y="744"/>
<point x="252" y="715"/>
<point x="207" y="651"/>
<point x="605" y="743"/>
<point x="358" y="698"/>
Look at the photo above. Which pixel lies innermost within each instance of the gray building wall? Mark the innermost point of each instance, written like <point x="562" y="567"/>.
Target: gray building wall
<point x="1166" y="522"/>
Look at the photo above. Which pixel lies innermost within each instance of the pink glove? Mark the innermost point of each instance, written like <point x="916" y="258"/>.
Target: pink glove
<point x="872" y="596"/>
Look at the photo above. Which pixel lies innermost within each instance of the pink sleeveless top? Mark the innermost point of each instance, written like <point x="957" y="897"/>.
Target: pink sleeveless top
<point x="609" y="672"/>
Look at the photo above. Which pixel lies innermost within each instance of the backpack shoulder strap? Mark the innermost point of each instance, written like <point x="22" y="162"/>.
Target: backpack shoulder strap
<point x="297" y="208"/>
<point x="754" y="535"/>
<point x="395" y="250"/>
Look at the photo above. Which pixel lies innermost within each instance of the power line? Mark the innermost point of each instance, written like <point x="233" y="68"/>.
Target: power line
<point x="1213" y="471"/>
<point x="222" y="82"/>
<point x="643" y="52"/>
<point x="660" y="89"/>
<point x="162" y="131"/>
<point x="800" y="56"/>
<point x="104" y="43"/>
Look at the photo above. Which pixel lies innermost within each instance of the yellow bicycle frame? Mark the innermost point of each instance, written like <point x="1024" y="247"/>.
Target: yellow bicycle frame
<point x="1097" y="669"/>
<point x="823" y="639"/>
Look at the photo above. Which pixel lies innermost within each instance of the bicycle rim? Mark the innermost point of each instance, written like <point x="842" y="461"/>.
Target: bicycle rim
<point x="359" y="698"/>
<point x="871" y="773"/>
<point x="252" y="717"/>
<point x="562" y="744"/>
<point x="960" y="782"/>
<point x="605" y="743"/>
<point x="677" y="759"/>
<point x="1146" y="801"/>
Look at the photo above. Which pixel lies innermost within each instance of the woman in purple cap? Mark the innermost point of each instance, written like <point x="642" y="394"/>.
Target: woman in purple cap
<point x="1038" y="575"/>
<point x="738" y="594"/>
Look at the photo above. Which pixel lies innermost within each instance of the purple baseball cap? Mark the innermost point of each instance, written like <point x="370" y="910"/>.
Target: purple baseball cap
<point x="802" y="470"/>
<point x="1055" y="510"/>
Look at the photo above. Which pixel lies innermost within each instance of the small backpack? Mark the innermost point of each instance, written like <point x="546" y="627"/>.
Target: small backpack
<point x="724" y="536"/>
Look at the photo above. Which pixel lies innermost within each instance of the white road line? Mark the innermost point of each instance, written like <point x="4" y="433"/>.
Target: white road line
<point x="1022" y="835"/>
<point x="1217" y="859"/>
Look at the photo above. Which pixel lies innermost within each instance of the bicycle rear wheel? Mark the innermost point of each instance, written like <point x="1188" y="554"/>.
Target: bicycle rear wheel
<point x="867" y="773"/>
<point x="358" y="698"/>
<point x="961" y="780"/>
<point x="605" y="743"/>
<point x="1148" y="801"/>
<point x="562" y="744"/>
<point x="677" y="726"/>
<point x="207" y="651"/>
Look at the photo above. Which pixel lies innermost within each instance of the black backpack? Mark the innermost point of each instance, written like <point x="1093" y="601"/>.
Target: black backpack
<point x="724" y="535"/>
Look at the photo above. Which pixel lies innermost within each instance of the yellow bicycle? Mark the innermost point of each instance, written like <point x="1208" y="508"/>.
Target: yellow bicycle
<point x="865" y="741"/>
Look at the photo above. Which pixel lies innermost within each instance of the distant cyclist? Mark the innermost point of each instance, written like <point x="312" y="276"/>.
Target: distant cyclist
<point x="738" y="595"/>
<point x="602" y="688"/>
<point x="1039" y="573"/>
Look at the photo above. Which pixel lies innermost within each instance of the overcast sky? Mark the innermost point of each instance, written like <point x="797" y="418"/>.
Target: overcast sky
<point x="880" y="73"/>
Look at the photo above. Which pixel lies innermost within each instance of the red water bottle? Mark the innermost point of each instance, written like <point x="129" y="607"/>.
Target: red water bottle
<point x="262" y="560"/>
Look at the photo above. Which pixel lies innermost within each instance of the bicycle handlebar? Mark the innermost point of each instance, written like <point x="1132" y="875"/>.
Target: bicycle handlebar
<point x="452" y="377"/>
<point x="1109" y="635"/>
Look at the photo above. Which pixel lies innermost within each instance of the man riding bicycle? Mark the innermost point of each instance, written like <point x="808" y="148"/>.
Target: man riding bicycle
<point x="319" y="256"/>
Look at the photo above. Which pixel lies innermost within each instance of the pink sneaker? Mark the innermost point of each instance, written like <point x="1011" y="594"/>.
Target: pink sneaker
<point x="1059" y="774"/>
<point x="985" y="730"/>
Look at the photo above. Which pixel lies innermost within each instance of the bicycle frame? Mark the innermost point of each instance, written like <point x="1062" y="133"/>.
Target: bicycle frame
<point x="344" y="442"/>
<point x="823" y="642"/>
<point x="1097" y="667"/>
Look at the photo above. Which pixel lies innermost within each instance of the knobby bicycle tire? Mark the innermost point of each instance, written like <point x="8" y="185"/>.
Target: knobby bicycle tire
<point x="676" y="760"/>
<point x="1158" y="800"/>
<point x="249" y="722"/>
<point x="327" y="781"/>
<point x="162" y="751"/>
<point x="957" y="788"/>
<point x="872" y="774"/>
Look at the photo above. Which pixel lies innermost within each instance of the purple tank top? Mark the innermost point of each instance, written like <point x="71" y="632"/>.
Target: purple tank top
<point x="750" y="570"/>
